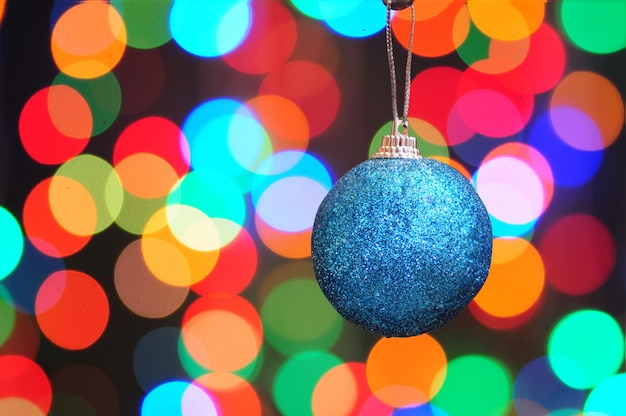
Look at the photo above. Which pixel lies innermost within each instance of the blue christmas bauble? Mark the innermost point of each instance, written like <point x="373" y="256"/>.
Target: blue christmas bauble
<point x="401" y="246"/>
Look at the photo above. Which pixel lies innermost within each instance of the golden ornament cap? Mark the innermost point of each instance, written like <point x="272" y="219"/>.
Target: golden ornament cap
<point x="398" y="144"/>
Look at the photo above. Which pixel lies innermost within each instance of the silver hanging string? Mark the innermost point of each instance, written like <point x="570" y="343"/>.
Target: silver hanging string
<point x="392" y="69"/>
<point x="398" y="144"/>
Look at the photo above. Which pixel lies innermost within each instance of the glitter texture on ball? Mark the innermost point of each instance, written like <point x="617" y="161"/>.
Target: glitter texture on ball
<point x="401" y="246"/>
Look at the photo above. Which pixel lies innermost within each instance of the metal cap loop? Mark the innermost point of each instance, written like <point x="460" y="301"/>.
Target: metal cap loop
<point x="398" y="4"/>
<point x="398" y="144"/>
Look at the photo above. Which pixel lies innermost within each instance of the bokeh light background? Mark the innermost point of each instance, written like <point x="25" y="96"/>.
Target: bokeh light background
<point x="161" y="163"/>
